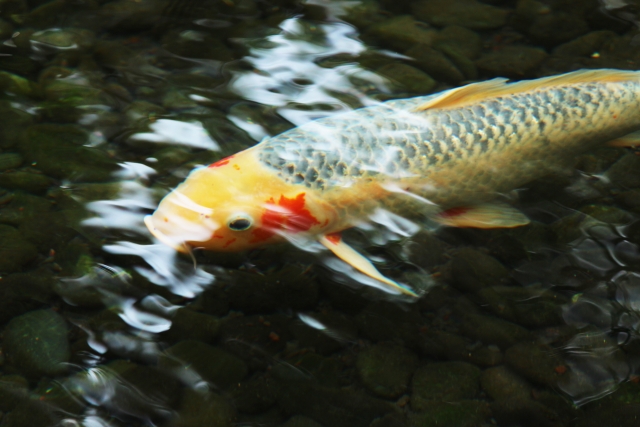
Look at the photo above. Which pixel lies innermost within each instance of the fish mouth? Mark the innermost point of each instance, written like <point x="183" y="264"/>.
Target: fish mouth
<point x="178" y="246"/>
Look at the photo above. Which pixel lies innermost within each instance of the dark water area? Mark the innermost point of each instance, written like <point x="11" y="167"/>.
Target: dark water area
<point x="108" y="105"/>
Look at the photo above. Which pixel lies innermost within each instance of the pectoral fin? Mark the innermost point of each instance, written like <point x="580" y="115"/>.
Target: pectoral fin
<point x="631" y="140"/>
<point x="486" y="215"/>
<point x="334" y="243"/>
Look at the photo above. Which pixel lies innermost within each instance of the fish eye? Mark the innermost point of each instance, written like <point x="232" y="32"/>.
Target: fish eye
<point x="240" y="222"/>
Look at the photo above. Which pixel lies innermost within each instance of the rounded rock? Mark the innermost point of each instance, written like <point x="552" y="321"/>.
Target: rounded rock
<point x="386" y="370"/>
<point x="36" y="343"/>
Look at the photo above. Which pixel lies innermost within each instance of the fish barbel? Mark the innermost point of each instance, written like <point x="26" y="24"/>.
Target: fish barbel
<point x="446" y="156"/>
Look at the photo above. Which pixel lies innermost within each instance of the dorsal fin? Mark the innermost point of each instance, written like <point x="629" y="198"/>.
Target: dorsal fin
<point x="475" y="92"/>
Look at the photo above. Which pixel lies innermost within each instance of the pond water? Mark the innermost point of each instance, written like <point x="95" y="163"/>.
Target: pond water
<point x="108" y="105"/>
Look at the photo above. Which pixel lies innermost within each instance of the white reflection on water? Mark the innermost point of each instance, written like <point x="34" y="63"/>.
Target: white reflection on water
<point x="285" y="71"/>
<point x="166" y="268"/>
<point x="166" y="131"/>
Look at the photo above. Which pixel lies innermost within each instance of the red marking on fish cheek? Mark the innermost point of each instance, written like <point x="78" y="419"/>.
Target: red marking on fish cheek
<point x="229" y="242"/>
<point x="449" y="213"/>
<point x="261" y="234"/>
<point x="289" y="214"/>
<point x="221" y="162"/>
<point x="334" y="238"/>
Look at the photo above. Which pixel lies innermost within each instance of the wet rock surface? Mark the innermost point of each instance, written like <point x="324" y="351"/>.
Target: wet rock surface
<point x="385" y="370"/>
<point x="36" y="344"/>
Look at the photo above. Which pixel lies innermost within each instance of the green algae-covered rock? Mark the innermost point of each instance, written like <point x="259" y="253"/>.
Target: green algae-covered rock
<point x="57" y="151"/>
<point x="13" y="389"/>
<point x="474" y="270"/>
<point x="408" y="78"/>
<point x="444" y="381"/>
<point x="15" y="250"/>
<point x="36" y="343"/>
<point x="463" y="40"/>
<point x="10" y="161"/>
<point x="255" y="395"/>
<point x="190" y="325"/>
<point x="332" y="407"/>
<point x="536" y="362"/>
<point x="466" y="13"/>
<point x="401" y="32"/>
<point x="435" y="63"/>
<point x="466" y="413"/>
<point x="199" y="409"/>
<point x="523" y="412"/>
<point x="214" y="365"/>
<point x="13" y="123"/>
<point x="386" y="369"/>
<point x="27" y="180"/>
<point x="512" y="61"/>
<point x="491" y="330"/>
<point x="533" y="307"/>
<point x="502" y="383"/>
<point x="300" y="421"/>
<point x="31" y="413"/>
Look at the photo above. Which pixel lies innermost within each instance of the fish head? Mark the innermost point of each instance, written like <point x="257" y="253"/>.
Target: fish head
<point x="236" y="204"/>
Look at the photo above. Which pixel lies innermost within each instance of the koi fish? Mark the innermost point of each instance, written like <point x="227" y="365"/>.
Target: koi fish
<point x="446" y="156"/>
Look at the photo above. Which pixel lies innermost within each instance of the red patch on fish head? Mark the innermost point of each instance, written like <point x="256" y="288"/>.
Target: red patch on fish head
<point x="288" y="214"/>
<point x="221" y="162"/>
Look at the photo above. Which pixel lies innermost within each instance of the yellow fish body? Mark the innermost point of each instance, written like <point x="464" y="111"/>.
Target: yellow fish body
<point x="446" y="156"/>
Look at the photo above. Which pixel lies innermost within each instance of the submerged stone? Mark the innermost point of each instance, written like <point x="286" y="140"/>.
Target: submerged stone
<point x="444" y="381"/>
<point x="26" y="180"/>
<point x="36" y="343"/>
<point x="445" y="345"/>
<point x="10" y="161"/>
<point x="465" y="413"/>
<point x="408" y="78"/>
<point x="386" y="370"/>
<point x="435" y="63"/>
<point x="463" y="40"/>
<point x="466" y="13"/>
<point x="16" y="84"/>
<point x="57" y="150"/>
<point x="536" y="362"/>
<point x="13" y="389"/>
<point x="15" y="250"/>
<point x="363" y="14"/>
<point x="502" y="383"/>
<point x="512" y="61"/>
<point x="199" y="409"/>
<point x="555" y="28"/>
<point x="474" y="270"/>
<point x="59" y="39"/>
<point x="255" y="395"/>
<point x="13" y="123"/>
<point x="401" y="32"/>
<point x="31" y="413"/>
<point x="191" y="325"/>
<point x="587" y="45"/>
<point x="300" y="421"/>
<point x="332" y="407"/>
<point x="491" y="330"/>
<point x="214" y="365"/>
<point x="523" y="412"/>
